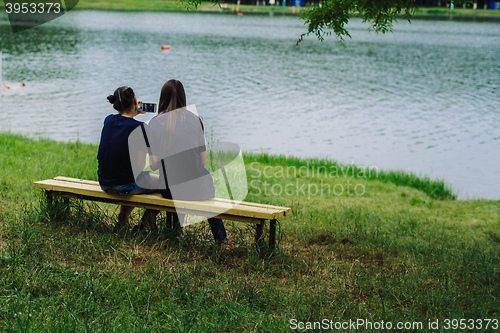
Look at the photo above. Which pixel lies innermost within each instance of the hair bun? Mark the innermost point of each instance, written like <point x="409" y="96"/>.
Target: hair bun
<point x="112" y="99"/>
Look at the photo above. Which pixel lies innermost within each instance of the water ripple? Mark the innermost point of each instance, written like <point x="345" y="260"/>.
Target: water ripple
<point x="424" y="98"/>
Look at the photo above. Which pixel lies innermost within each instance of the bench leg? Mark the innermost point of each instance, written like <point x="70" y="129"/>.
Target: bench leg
<point x="55" y="207"/>
<point x="49" y="196"/>
<point x="258" y="233"/>
<point x="149" y="218"/>
<point x="170" y="220"/>
<point x="174" y="220"/>
<point x="272" y="234"/>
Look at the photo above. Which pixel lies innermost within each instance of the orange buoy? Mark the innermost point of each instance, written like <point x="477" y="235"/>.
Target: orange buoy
<point x="240" y="14"/>
<point x="165" y="47"/>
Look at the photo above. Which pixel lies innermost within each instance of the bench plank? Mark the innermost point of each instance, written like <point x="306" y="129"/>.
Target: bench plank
<point x="228" y="208"/>
<point x="162" y="208"/>
<point x="286" y="210"/>
<point x="223" y="208"/>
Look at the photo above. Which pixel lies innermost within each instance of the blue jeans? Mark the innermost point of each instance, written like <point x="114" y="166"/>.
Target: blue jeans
<point x="142" y="186"/>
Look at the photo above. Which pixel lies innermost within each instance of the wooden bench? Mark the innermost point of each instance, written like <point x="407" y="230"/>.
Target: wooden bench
<point x="223" y="208"/>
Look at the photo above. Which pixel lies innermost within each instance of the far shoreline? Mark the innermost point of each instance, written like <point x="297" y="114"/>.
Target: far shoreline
<point x="437" y="13"/>
<point x="423" y="13"/>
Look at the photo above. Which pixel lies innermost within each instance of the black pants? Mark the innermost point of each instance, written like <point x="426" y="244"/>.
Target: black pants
<point x="216" y="225"/>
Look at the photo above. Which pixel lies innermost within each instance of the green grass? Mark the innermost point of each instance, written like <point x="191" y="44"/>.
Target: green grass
<point x="162" y="5"/>
<point x="324" y="168"/>
<point x="398" y="252"/>
<point x="175" y="6"/>
<point x="207" y="6"/>
<point x="457" y="12"/>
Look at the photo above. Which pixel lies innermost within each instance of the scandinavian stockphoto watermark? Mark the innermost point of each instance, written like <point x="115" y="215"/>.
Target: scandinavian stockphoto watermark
<point x="310" y="180"/>
<point x="174" y="143"/>
<point x="448" y="324"/>
<point x="25" y="14"/>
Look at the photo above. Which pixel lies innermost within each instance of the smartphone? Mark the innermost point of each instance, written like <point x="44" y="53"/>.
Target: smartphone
<point x="147" y="107"/>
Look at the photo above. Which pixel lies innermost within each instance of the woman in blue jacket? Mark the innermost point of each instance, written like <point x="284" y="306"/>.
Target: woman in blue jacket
<point x="115" y="168"/>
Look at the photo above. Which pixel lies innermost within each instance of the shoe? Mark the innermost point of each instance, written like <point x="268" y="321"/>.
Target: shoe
<point x="228" y="245"/>
<point x="180" y="235"/>
<point x="179" y="232"/>
<point x="138" y="231"/>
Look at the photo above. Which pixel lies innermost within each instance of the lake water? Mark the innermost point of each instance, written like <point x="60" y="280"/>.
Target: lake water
<point x="425" y="98"/>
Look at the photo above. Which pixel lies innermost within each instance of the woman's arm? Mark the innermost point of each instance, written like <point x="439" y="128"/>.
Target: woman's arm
<point x="203" y="157"/>
<point x="201" y="143"/>
<point x="153" y="163"/>
<point x="141" y="160"/>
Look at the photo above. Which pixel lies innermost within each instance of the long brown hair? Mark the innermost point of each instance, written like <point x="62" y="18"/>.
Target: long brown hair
<point x="172" y="96"/>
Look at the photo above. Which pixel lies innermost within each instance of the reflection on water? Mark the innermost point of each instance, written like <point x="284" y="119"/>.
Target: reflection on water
<point x="424" y="98"/>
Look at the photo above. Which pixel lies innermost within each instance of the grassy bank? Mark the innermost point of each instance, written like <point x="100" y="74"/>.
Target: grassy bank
<point x="206" y="6"/>
<point x="457" y="13"/>
<point x="394" y="252"/>
<point x="159" y="5"/>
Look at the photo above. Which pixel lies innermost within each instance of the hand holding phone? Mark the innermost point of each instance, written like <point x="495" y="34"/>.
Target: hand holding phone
<point x="147" y="107"/>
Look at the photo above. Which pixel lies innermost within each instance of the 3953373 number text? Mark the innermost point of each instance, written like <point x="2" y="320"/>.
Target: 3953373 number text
<point x="33" y="8"/>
